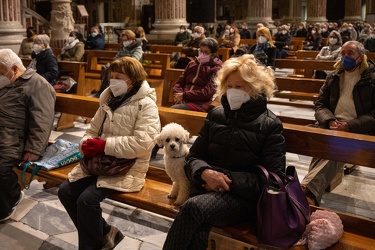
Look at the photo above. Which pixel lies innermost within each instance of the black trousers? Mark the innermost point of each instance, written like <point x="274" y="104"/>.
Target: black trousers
<point x="9" y="187"/>
<point x="81" y="200"/>
<point x="191" y="228"/>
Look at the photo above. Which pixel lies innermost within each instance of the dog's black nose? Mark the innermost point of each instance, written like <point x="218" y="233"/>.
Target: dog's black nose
<point x="172" y="146"/>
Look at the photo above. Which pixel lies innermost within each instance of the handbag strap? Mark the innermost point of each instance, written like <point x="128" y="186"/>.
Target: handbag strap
<point x="26" y="165"/>
<point x="275" y="176"/>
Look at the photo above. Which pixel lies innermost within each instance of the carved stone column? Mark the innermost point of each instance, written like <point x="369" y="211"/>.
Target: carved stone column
<point x="353" y="11"/>
<point x="62" y="22"/>
<point x="316" y="11"/>
<point x="11" y="29"/>
<point x="169" y="16"/>
<point x="259" y="12"/>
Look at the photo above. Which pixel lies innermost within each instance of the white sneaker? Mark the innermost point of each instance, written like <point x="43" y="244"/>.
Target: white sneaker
<point x="22" y="196"/>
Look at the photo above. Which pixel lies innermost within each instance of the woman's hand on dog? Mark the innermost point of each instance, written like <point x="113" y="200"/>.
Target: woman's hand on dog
<point x="215" y="181"/>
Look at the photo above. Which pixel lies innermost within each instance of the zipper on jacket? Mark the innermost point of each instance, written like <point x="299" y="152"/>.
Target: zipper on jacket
<point x="195" y="77"/>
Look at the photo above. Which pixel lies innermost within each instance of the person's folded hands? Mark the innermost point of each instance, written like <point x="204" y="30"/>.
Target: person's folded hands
<point x="92" y="147"/>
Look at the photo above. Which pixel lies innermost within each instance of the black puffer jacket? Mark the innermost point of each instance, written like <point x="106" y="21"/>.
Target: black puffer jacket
<point x="46" y="65"/>
<point x="363" y="97"/>
<point x="234" y="142"/>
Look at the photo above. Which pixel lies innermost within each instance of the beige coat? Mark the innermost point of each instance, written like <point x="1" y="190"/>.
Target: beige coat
<point x="129" y="132"/>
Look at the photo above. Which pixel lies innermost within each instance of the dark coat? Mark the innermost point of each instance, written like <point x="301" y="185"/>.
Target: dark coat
<point x="234" y="142"/>
<point x="363" y="96"/>
<point x="271" y="53"/>
<point x="46" y="65"/>
<point x="95" y="43"/>
<point x="196" y="83"/>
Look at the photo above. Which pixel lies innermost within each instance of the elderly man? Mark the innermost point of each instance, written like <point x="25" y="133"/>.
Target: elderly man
<point x="27" y="103"/>
<point x="346" y="102"/>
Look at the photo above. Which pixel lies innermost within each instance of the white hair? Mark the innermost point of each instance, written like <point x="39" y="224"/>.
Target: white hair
<point x="8" y="58"/>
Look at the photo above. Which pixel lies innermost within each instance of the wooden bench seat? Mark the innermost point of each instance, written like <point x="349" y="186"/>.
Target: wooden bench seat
<point x="334" y="145"/>
<point x="307" y="65"/>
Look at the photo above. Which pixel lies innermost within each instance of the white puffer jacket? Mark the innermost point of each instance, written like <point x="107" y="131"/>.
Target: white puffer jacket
<point x="129" y="132"/>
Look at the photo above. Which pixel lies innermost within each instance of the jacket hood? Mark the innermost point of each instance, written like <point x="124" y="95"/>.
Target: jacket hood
<point x="339" y="41"/>
<point x="144" y="90"/>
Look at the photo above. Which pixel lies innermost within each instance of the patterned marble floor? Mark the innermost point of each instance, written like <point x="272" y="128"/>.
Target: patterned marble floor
<point x="41" y="222"/>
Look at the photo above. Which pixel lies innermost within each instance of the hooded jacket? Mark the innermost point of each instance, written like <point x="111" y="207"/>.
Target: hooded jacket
<point x="129" y="132"/>
<point x="233" y="142"/>
<point x="363" y="97"/>
<point x="197" y="83"/>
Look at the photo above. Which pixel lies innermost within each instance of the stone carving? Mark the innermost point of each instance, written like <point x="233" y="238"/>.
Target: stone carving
<point x="62" y="23"/>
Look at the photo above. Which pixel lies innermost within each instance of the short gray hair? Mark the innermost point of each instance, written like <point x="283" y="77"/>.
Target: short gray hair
<point x="8" y="58"/>
<point x="43" y="38"/>
<point x="360" y="47"/>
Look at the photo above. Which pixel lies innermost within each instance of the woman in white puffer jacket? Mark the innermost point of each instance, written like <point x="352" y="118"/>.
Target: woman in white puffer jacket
<point x="124" y="126"/>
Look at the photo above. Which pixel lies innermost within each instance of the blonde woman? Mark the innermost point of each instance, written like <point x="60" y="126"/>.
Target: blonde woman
<point x="264" y="51"/>
<point x="237" y="136"/>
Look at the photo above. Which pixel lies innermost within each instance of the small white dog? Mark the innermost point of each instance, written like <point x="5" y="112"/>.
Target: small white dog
<point x="174" y="138"/>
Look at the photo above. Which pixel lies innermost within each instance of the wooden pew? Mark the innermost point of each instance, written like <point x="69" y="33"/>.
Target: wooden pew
<point x="307" y="65"/>
<point x="76" y="70"/>
<point x="334" y="145"/>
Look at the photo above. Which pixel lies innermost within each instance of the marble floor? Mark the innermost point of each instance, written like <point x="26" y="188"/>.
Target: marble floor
<point x="40" y="221"/>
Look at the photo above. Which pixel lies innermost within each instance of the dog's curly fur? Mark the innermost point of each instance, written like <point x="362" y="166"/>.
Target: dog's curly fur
<point x="174" y="138"/>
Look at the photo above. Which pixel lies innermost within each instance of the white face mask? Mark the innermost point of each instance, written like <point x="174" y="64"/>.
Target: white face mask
<point x="125" y="43"/>
<point x="203" y="58"/>
<point x="237" y="97"/>
<point x="4" y="81"/>
<point x="182" y="30"/>
<point x="284" y="32"/>
<point x="332" y="41"/>
<point x="262" y="39"/>
<point x="118" y="87"/>
<point x="71" y="39"/>
<point x="313" y="32"/>
<point x="195" y="35"/>
<point x="37" y="48"/>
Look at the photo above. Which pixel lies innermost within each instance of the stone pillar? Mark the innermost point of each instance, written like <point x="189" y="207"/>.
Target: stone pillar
<point x="11" y="29"/>
<point x="62" y="22"/>
<point x="316" y="11"/>
<point x="259" y="12"/>
<point x="353" y="11"/>
<point x="169" y="16"/>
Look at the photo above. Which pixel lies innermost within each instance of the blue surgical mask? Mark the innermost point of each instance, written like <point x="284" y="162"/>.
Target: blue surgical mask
<point x="348" y="63"/>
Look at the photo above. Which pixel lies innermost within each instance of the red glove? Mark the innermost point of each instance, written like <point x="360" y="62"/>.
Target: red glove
<point x="92" y="147"/>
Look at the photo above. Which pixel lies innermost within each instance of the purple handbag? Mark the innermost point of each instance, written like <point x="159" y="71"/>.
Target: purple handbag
<point x="282" y="215"/>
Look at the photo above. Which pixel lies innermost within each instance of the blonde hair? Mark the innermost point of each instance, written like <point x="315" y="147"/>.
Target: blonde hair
<point x="264" y="31"/>
<point x="141" y="32"/>
<point x="259" y="79"/>
<point x="129" y="34"/>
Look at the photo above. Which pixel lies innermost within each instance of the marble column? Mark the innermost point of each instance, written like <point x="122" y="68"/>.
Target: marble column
<point x="316" y="11"/>
<point x="62" y="22"/>
<point x="353" y="11"/>
<point x="169" y="16"/>
<point x="259" y="12"/>
<point x="11" y="29"/>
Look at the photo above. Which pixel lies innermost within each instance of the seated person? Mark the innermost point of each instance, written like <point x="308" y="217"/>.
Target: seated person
<point x="95" y="41"/>
<point x="301" y="31"/>
<point x="191" y="48"/>
<point x="245" y="32"/>
<point x="282" y="41"/>
<point x="74" y="49"/>
<point x="194" y="88"/>
<point x="313" y="40"/>
<point x="27" y="44"/>
<point x="43" y="59"/>
<point x="369" y="42"/>
<point x="232" y="40"/>
<point x="182" y="37"/>
<point x="221" y="165"/>
<point x="345" y="103"/>
<point x="264" y="51"/>
<point x="140" y="34"/>
<point x="131" y="46"/>
<point x="330" y="52"/>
